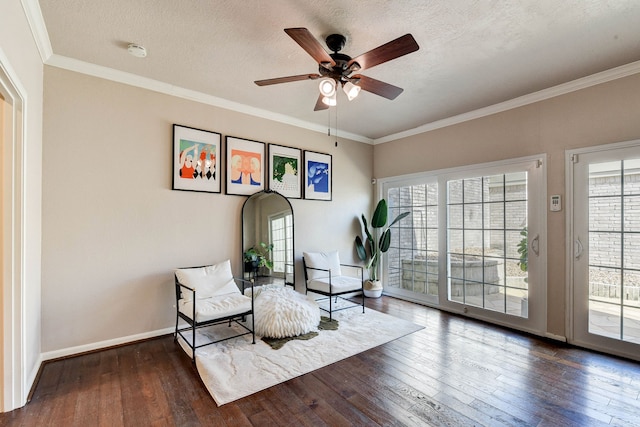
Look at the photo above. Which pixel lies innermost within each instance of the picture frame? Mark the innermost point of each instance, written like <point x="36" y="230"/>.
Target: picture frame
<point x="245" y="161"/>
<point x="317" y="176"/>
<point x="196" y="160"/>
<point x="285" y="172"/>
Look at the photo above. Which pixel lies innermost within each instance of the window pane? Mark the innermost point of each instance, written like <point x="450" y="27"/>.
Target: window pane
<point x="631" y="251"/>
<point x="494" y="215"/>
<point x="604" y="284"/>
<point x="604" y="319"/>
<point x="631" y="288"/>
<point x="631" y="213"/>
<point x="605" y="213"/>
<point x="432" y="195"/>
<point x="604" y="249"/>
<point x="455" y="218"/>
<point x="472" y="190"/>
<point x="484" y="236"/>
<point x="604" y="179"/>
<point x="632" y="176"/>
<point x="456" y="244"/>
<point x="454" y="191"/>
<point x="432" y="217"/>
<point x="516" y="214"/>
<point x="516" y="186"/>
<point x="473" y="216"/>
<point x="412" y="238"/>
<point x="494" y="243"/>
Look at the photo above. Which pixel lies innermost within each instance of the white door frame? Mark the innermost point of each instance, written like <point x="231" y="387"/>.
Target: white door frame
<point x="572" y="157"/>
<point x="14" y="377"/>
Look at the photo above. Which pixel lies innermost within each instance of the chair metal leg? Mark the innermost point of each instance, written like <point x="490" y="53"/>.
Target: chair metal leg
<point x="175" y="333"/>
<point x="193" y="343"/>
<point x="330" y="309"/>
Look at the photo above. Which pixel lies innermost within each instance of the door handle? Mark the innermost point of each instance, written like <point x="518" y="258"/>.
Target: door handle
<point x="577" y="248"/>
<point x="535" y="244"/>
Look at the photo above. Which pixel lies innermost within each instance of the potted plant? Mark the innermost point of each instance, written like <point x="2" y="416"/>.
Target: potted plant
<point x="258" y="256"/>
<point x="370" y="251"/>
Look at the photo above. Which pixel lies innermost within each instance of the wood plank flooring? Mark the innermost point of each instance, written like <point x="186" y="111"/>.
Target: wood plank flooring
<point x="455" y="372"/>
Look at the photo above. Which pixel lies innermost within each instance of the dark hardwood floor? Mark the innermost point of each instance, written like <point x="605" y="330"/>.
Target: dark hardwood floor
<point x="455" y="372"/>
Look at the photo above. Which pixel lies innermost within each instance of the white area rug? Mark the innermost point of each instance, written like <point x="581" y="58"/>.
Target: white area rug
<point x="236" y="368"/>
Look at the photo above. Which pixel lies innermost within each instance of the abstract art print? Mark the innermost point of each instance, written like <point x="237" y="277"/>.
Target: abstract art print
<point x="196" y="159"/>
<point x="284" y="171"/>
<point x="245" y="166"/>
<point x="317" y="176"/>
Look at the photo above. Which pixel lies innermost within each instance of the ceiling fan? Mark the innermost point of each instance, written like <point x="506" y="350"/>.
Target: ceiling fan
<point x="337" y="68"/>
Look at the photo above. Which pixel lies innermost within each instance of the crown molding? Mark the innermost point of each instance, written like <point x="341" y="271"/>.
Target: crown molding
<point x="34" y="17"/>
<point x="561" y="89"/>
<point x="168" y="89"/>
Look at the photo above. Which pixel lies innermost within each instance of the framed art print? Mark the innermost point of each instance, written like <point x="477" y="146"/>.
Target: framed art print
<point x="245" y="166"/>
<point x="317" y="176"/>
<point x="284" y="171"/>
<point x="196" y="159"/>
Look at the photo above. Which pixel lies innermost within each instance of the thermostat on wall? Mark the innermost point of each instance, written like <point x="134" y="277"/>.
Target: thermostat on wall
<point x="555" y="204"/>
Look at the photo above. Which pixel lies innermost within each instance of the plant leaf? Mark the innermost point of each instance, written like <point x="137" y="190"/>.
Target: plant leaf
<point x="379" y="218"/>
<point x="385" y="240"/>
<point x="362" y="253"/>
<point x="399" y="217"/>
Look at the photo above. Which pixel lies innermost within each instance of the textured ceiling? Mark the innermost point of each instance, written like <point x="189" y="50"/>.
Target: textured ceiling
<point x="473" y="54"/>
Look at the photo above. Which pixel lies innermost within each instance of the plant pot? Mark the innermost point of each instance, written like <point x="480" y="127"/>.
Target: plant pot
<point x="373" y="293"/>
<point x="373" y="289"/>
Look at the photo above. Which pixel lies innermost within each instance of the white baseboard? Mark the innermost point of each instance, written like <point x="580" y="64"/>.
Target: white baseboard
<point x="65" y="352"/>
<point x="555" y="337"/>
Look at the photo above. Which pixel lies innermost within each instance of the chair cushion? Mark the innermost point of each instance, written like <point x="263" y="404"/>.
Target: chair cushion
<point x="339" y="284"/>
<point x="208" y="281"/>
<point x="216" y="307"/>
<point x="325" y="260"/>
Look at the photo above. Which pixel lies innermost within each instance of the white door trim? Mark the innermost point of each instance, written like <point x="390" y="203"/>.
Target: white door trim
<point x="14" y="371"/>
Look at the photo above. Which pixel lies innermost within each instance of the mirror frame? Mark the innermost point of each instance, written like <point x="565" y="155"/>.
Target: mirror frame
<point x="258" y="195"/>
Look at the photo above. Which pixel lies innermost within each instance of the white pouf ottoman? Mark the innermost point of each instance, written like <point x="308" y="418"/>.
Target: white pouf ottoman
<point x="281" y="312"/>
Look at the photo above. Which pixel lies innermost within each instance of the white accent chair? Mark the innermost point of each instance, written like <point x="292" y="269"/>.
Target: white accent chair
<point x="209" y="295"/>
<point x="323" y="274"/>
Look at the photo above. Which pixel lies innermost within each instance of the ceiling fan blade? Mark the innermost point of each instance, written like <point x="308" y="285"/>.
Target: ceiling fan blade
<point x="287" y="79"/>
<point x="388" y="51"/>
<point x="383" y="89"/>
<point x="320" y="105"/>
<point x="310" y="44"/>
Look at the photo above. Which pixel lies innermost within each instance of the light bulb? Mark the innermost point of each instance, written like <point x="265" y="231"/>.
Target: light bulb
<point x="351" y="90"/>
<point x="327" y="87"/>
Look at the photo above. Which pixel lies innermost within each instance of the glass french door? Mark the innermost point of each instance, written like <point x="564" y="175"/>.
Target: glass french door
<point x="474" y="242"/>
<point x="605" y="284"/>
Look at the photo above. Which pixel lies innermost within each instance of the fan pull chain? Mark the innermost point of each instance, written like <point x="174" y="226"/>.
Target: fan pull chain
<point x="336" y="125"/>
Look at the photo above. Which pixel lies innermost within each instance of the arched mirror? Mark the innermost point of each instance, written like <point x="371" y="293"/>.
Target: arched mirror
<point x="267" y="239"/>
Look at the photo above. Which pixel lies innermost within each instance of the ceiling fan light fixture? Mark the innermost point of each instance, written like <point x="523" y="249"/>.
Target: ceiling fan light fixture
<point x="330" y="100"/>
<point x="351" y="90"/>
<point x="327" y="87"/>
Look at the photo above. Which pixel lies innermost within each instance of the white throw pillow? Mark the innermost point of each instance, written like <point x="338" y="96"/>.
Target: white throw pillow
<point x="208" y="281"/>
<point x="325" y="260"/>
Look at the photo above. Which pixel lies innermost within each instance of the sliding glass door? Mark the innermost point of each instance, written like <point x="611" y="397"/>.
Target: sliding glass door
<point x="473" y="242"/>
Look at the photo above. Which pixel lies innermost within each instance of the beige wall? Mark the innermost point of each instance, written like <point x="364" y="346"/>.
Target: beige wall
<point x="113" y="229"/>
<point x="602" y="114"/>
